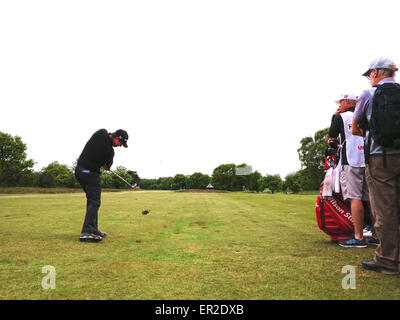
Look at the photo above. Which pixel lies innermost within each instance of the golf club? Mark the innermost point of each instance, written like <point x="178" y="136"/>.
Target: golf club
<point x="131" y="185"/>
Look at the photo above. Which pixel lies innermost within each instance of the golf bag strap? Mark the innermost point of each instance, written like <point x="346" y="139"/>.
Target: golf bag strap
<point x="321" y="212"/>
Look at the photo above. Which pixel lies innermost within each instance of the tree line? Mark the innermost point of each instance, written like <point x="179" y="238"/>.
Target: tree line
<point x="17" y="170"/>
<point x="224" y="177"/>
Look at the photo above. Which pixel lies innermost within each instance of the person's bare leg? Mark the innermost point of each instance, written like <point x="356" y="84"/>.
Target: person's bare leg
<point x="357" y="212"/>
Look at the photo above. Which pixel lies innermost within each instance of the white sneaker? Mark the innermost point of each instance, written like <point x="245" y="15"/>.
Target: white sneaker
<point x="367" y="232"/>
<point x="90" y="237"/>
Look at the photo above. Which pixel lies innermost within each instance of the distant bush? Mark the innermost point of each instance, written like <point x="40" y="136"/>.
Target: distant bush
<point x="62" y="175"/>
<point x="46" y="180"/>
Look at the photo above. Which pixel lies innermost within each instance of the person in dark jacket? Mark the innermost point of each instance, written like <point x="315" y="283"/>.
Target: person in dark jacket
<point x="97" y="153"/>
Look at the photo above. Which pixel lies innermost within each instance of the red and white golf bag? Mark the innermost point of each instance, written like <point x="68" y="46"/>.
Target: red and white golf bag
<point x="334" y="217"/>
<point x="333" y="213"/>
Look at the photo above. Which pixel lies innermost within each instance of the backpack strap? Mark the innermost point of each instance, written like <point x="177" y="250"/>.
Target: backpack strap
<point x="368" y="144"/>
<point x="384" y="158"/>
<point x="367" y="149"/>
<point x="398" y="198"/>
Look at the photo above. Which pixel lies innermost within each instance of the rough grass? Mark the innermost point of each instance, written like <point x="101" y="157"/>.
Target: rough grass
<point x="190" y="246"/>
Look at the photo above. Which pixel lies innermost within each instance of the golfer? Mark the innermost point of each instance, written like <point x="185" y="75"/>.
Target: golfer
<point x="98" y="152"/>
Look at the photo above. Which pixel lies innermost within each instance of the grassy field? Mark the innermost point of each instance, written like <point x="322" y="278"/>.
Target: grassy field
<point x="190" y="246"/>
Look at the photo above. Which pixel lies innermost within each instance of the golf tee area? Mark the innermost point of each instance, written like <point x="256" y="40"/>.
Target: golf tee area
<point x="189" y="246"/>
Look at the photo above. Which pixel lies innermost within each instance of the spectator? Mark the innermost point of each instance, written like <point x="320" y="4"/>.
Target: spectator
<point x="382" y="163"/>
<point x="351" y="167"/>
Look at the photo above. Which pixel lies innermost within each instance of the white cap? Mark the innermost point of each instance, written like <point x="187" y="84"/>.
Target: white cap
<point x="347" y="96"/>
<point x="381" y="63"/>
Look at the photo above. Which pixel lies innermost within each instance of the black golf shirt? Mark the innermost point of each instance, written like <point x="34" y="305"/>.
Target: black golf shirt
<point x="98" y="152"/>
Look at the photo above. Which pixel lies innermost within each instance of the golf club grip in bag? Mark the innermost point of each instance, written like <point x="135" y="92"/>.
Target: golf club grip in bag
<point x="334" y="217"/>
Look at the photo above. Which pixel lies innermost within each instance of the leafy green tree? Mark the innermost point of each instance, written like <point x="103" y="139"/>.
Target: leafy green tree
<point x="111" y="181"/>
<point x="311" y="154"/>
<point x="198" y="180"/>
<point x="46" y="180"/>
<point x="29" y="178"/>
<point x="310" y="179"/>
<point x="223" y="176"/>
<point x="165" y="183"/>
<point x="123" y="173"/>
<point x="180" y="182"/>
<point x="254" y="181"/>
<point x="107" y="179"/>
<point x="63" y="176"/>
<point x="293" y="182"/>
<point x="148" y="184"/>
<point x="13" y="159"/>
<point x="242" y="178"/>
<point x="272" y="182"/>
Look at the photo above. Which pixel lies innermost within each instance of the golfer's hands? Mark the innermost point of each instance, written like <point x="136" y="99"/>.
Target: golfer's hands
<point x="338" y="110"/>
<point x="107" y="169"/>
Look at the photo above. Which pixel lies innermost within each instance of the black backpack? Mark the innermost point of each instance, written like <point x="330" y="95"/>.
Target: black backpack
<point x="384" y="125"/>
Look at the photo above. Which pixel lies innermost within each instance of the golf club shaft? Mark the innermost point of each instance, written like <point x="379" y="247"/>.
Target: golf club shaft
<point x="122" y="178"/>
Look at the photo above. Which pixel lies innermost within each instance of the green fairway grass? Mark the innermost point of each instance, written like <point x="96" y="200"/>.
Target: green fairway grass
<point x="190" y="246"/>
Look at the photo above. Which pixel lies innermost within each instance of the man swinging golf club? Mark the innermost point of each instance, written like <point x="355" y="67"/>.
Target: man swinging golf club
<point x="98" y="152"/>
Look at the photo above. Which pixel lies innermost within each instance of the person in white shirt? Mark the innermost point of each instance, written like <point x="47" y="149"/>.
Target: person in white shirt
<point x="351" y="166"/>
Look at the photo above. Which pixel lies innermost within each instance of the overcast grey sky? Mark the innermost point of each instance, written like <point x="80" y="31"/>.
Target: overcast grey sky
<point x="195" y="83"/>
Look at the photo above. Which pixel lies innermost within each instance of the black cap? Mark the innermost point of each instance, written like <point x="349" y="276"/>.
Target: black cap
<point x="123" y="137"/>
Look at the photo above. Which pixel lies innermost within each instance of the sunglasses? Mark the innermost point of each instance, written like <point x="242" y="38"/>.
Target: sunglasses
<point x="369" y="74"/>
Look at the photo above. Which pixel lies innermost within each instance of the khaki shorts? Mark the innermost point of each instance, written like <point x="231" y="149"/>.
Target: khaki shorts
<point x="353" y="183"/>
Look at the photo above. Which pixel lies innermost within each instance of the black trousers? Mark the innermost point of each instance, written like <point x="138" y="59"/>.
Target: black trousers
<point x="90" y="182"/>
